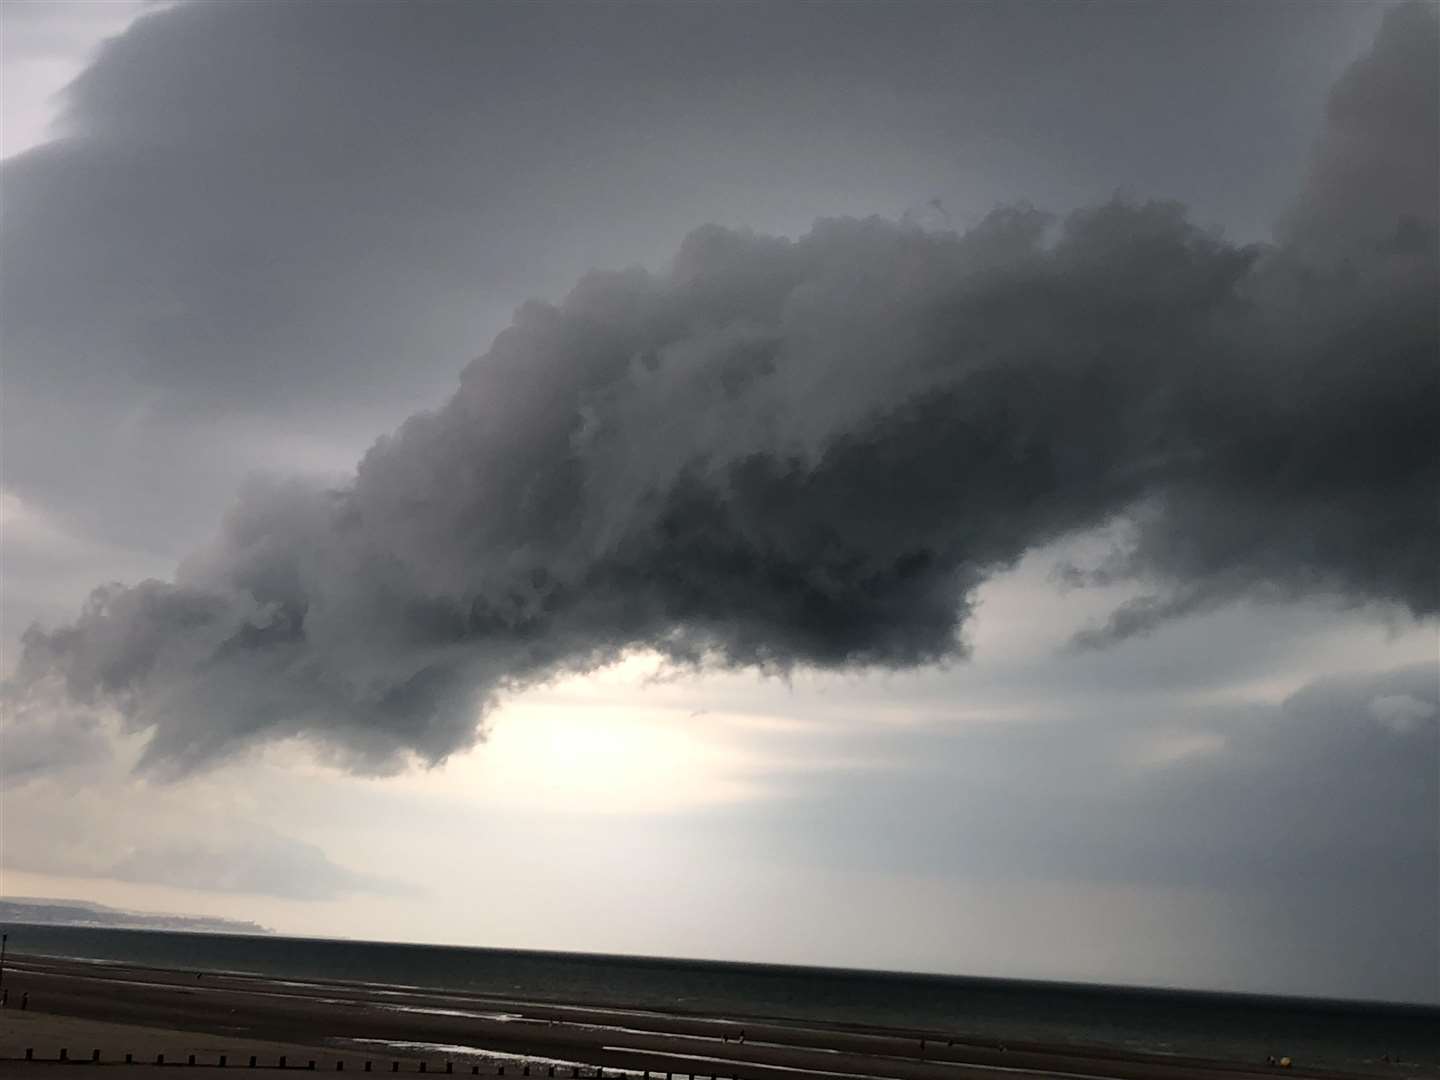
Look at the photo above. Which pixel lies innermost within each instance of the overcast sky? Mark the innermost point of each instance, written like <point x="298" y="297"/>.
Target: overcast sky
<point x="940" y="487"/>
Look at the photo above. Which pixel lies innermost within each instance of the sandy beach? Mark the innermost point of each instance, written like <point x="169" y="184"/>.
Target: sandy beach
<point x="118" y="1010"/>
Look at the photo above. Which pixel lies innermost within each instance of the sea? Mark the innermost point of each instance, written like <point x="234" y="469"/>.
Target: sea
<point x="1334" y="1034"/>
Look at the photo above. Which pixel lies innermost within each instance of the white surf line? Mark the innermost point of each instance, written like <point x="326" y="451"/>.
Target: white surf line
<point x="431" y="1011"/>
<point x="416" y="991"/>
<point x="332" y="987"/>
<point x="427" y="1009"/>
<point x="1014" y="1070"/>
<point x="461" y="1013"/>
<point x="409" y="990"/>
<point x="521" y="1002"/>
<point x="692" y="1058"/>
<point x="604" y="1029"/>
<point x="412" y="990"/>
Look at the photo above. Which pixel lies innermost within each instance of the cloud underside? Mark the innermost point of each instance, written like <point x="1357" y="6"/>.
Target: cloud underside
<point x="814" y="452"/>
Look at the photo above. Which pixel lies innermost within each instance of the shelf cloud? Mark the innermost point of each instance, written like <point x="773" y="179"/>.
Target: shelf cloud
<point x="813" y="452"/>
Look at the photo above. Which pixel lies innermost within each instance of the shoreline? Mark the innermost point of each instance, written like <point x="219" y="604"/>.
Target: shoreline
<point x="331" y="1018"/>
<point x="1180" y="994"/>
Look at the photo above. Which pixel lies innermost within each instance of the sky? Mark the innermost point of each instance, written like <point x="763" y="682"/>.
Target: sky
<point x="918" y="486"/>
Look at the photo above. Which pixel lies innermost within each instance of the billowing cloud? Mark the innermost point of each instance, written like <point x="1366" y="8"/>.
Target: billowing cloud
<point x="813" y="452"/>
<point x="272" y="230"/>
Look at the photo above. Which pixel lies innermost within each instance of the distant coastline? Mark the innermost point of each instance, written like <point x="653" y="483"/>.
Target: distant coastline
<point x="47" y="912"/>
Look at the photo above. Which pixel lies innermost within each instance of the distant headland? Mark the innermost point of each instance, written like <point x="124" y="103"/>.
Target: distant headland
<point x="50" y="912"/>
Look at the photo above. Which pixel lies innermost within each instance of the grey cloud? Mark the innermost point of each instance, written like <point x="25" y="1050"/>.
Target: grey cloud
<point x="1319" y="811"/>
<point x="266" y="865"/>
<point x="813" y="452"/>
<point x="63" y="825"/>
<point x="1374" y="167"/>
<point x="308" y="216"/>
<point x="43" y="736"/>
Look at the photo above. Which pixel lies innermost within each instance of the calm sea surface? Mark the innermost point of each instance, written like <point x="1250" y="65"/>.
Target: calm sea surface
<point x="1336" y="1034"/>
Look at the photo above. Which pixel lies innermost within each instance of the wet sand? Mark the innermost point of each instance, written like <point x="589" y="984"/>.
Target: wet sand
<point x="119" y="1009"/>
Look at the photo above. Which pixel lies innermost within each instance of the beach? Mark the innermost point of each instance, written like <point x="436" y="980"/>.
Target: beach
<point x="82" y="1007"/>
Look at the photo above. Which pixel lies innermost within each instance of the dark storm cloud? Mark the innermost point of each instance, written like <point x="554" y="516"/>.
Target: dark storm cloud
<point x="273" y="218"/>
<point x="813" y="452"/>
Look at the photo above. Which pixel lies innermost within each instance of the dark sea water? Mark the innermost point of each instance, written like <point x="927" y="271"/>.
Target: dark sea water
<point x="1337" y="1034"/>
